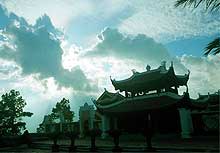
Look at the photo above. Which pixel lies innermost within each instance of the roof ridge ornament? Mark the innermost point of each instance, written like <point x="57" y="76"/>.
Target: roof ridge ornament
<point x="163" y="63"/>
<point x="188" y="72"/>
<point x="171" y="64"/>
<point x="134" y="71"/>
<point x="163" y="66"/>
<point x="148" y="67"/>
<point x="111" y="78"/>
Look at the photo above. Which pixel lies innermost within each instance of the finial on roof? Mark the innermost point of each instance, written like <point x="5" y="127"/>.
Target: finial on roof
<point x="208" y="95"/>
<point x="188" y="73"/>
<point x="111" y="78"/>
<point x="171" y="64"/>
<point x="163" y="63"/>
<point x="148" y="67"/>
<point x="86" y="104"/>
<point x="133" y="71"/>
<point x="163" y="66"/>
<point x="105" y="89"/>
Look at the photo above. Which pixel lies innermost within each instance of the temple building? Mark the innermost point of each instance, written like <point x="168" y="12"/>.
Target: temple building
<point x="151" y="95"/>
<point x="207" y="118"/>
<point x="89" y="118"/>
<point x="58" y="125"/>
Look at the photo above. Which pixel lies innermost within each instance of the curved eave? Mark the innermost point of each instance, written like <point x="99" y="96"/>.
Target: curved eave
<point x="147" y="102"/>
<point x="143" y="82"/>
<point x="135" y="75"/>
<point x="182" y="79"/>
<point x="118" y="83"/>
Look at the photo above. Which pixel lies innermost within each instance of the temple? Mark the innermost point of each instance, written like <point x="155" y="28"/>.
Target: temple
<point x="207" y="118"/>
<point x="150" y="95"/>
<point x="159" y="80"/>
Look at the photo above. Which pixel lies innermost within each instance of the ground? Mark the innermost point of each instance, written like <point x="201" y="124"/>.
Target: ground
<point x="129" y="144"/>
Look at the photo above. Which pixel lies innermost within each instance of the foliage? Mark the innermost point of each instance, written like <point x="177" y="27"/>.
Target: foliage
<point x="62" y="111"/>
<point x="213" y="47"/>
<point x="11" y="113"/>
<point x="213" y="5"/>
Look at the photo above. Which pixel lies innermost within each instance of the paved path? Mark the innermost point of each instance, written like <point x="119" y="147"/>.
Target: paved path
<point x="198" y="144"/>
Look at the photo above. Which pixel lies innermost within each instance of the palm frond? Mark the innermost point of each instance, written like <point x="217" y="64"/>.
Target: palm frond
<point x="213" y="5"/>
<point x="213" y="47"/>
<point x="184" y="3"/>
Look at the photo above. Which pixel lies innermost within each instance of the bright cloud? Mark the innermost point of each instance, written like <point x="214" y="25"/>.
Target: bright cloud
<point x="204" y="76"/>
<point x="38" y="51"/>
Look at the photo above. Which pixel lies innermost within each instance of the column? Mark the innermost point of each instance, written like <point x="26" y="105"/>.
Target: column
<point x="61" y="127"/>
<point x="115" y="123"/>
<point x="91" y="119"/>
<point x="105" y="126"/>
<point x="186" y="123"/>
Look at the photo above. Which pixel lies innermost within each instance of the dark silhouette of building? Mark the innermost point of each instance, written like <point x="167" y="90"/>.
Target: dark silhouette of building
<point x="153" y="92"/>
<point x="206" y="120"/>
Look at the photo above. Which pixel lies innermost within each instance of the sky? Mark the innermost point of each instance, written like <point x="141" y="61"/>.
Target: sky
<point x="50" y="49"/>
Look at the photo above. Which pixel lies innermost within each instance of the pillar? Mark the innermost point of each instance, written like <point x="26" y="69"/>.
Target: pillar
<point x="91" y="119"/>
<point x="115" y="123"/>
<point x="61" y="127"/>
<point x="186" y="123"/>
<point x="105" y="126"/>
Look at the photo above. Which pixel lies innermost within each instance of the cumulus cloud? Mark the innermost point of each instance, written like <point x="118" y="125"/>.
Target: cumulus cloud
<point x="31" y="61"/>
<point x="139" y="48"/>
<point x="37" y="51"/>
<point x="8" y="69"/>
<point x="115" y="44"/>
<point x="204" y="76"/>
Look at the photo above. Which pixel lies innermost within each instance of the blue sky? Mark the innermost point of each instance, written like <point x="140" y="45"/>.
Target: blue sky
<point x="192" y="46"/>
<point x="50" y="49"/>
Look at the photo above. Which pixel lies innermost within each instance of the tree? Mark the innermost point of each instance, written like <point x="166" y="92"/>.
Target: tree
<point x="11" y="113"/>
<point x="212" y="5"/>
<point x="62" y="111"/>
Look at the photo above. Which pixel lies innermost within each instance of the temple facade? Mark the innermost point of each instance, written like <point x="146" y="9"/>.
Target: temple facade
<point x="89" y="119"/>
<point x="207" y="118"/>
<point x="148" y="97"/>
